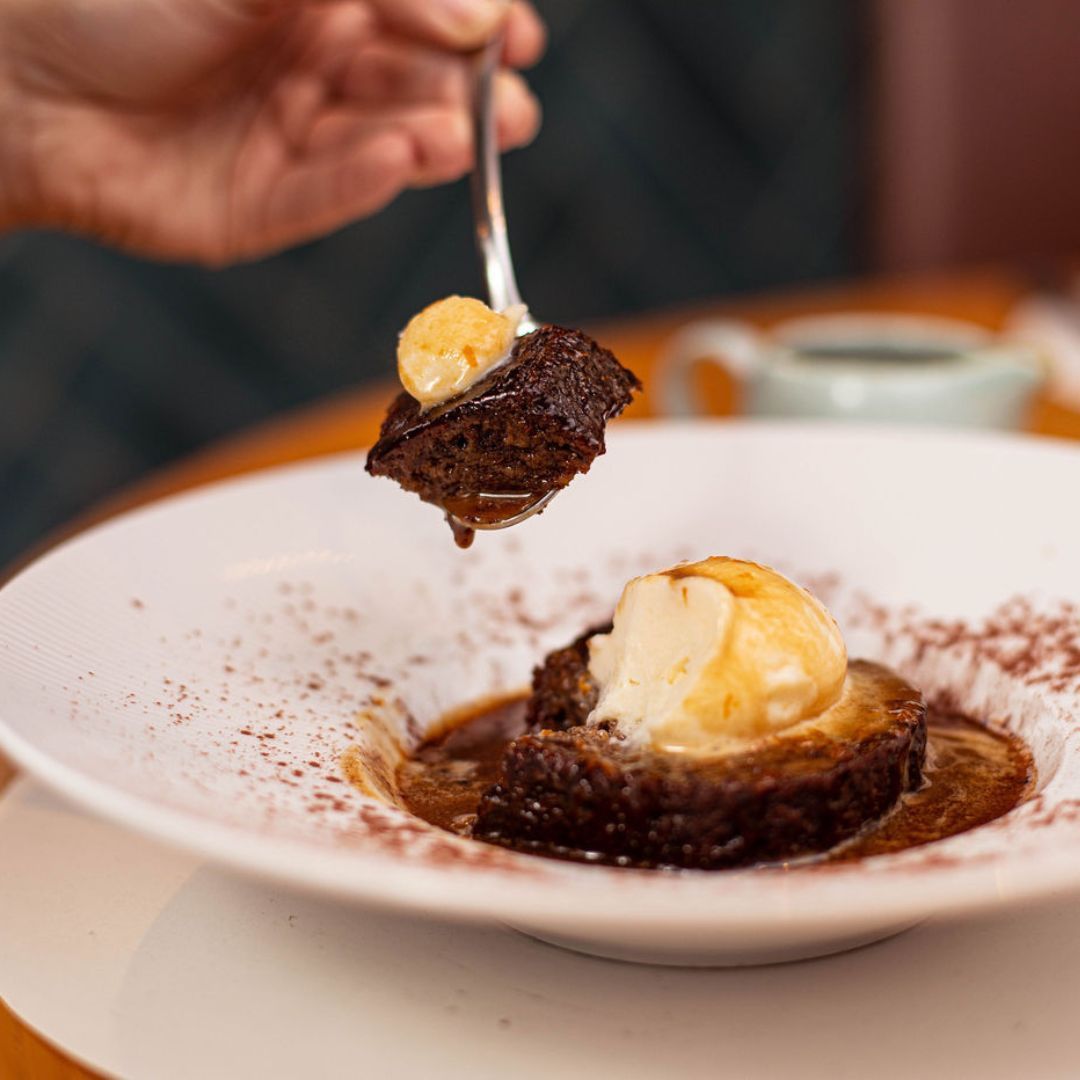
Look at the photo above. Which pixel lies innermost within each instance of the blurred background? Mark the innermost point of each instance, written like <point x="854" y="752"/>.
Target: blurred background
<point x="691" y="151"/>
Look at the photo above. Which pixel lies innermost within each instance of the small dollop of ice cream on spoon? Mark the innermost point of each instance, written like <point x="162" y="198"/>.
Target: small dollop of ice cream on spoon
<point x="451" y="345"/>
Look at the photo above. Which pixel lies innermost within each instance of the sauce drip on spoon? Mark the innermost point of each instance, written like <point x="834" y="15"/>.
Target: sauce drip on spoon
<point x="467" y="513"/>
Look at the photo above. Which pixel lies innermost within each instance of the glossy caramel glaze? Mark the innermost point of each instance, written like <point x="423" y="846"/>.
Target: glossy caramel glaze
<point x="973" y="776"/>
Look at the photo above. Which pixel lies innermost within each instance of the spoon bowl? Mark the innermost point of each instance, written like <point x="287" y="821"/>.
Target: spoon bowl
<point x="488" y="511"/>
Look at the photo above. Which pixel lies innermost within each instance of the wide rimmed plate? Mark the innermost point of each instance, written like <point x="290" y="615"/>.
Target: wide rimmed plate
<point x="197" y="669"/>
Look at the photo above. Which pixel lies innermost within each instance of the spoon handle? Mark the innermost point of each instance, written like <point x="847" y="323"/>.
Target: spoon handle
<point x="486" y="187"/>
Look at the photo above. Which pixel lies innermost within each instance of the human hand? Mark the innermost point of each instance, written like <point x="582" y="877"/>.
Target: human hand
<point x="221" y="130"/>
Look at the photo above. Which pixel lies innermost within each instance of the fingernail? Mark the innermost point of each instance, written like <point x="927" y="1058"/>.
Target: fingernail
<point x="475" y="20"/>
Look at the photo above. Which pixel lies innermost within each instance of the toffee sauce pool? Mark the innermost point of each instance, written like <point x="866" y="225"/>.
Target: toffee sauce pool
<point x="973" y="775"/>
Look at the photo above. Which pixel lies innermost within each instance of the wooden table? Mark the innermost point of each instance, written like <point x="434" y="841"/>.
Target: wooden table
<point x="351" y="421"/>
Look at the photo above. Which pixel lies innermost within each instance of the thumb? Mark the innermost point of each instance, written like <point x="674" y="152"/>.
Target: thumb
<point x="451" y="24"/>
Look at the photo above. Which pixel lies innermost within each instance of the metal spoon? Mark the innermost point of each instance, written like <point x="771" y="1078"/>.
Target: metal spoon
<point x="493" y="245"/>
<point x="489" y="216"/>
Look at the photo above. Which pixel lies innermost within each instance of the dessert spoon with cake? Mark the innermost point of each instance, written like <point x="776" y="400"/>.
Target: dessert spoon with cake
<point x="497" y="411"/>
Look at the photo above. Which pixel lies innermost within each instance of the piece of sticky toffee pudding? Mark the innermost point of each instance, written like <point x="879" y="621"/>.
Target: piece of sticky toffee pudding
<point x="521" y="432"/>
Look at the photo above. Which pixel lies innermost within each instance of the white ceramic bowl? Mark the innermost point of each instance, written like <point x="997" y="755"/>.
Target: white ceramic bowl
<point x="195" y="670"/>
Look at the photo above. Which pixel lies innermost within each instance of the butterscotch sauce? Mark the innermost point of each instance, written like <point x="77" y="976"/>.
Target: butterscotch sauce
<point x="973" y="776"/>
<point x="443" y="781"/>
<point x="465" y="513"/>
<point x="463" y="535"/>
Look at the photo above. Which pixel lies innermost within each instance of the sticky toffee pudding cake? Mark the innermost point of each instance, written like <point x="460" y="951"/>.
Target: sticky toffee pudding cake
<point x="490" y="424"/>
<point x="716" y="723"/>
<point x="586" y="789"/>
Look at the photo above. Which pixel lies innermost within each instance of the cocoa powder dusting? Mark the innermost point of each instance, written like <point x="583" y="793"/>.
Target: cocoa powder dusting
<point x="1036" y="645"/>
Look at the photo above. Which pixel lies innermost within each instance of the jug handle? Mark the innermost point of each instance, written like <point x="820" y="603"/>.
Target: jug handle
<point x="734" y="347"/>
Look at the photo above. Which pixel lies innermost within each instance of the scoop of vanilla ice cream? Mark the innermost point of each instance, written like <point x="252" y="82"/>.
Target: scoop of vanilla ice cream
<point x="451" y="344"/>
<point x="709" y="654"/>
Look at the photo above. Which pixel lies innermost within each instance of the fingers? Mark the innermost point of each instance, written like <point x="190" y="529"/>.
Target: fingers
<point x="370" y="68"/>
<point x="526" y="36"/>
<point x="388" y="71"/>
<point x="317" y="195"/>
<point x="385" y="71"/>
<point x="451" y="24"/>
<point x="440" y="134"/>
<point x="359" y="121"/>
<point x="517" y="111"/>
<point x="336" y="31"/>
